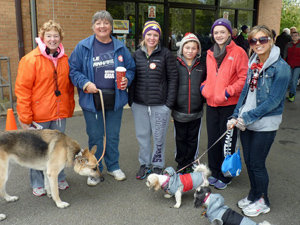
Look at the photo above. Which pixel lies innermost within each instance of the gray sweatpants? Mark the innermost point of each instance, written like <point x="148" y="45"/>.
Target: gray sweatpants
<point x="151" y="120"/>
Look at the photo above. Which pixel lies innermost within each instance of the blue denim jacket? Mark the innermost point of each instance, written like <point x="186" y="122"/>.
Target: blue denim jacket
<point x="81" y="71"/>
<point x="271" y="88"/>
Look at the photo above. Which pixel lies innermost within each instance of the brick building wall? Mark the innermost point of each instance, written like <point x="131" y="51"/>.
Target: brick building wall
<point x="269" y="13"/>
<point x="74" y="16"/>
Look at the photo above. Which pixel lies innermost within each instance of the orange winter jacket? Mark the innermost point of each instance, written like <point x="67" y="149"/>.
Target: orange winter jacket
<point x="35" y="86"/>
<point x="230" y="77"/>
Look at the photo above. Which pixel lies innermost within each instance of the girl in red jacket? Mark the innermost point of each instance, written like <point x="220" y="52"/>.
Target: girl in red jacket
<point x="226" y="65"/>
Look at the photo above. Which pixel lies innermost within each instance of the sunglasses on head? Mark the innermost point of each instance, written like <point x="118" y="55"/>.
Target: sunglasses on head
<point x="262" y="40"/>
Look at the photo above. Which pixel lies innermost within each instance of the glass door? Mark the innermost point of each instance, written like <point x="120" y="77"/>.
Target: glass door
<point x="204" y="19"/>
<point x="180" y="22"/>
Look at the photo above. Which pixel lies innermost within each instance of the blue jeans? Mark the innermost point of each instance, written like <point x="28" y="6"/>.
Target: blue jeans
<point x="37" y="176"/>
<point x="256" y="147"/>
<point x="294" y="80"/>
<point x="94" y="129"/>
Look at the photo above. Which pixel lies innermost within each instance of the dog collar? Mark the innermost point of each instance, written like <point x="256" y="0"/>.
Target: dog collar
<point x="208" y="194"/>
<point x="164" y="186"/>
<point x="79" y="153"/>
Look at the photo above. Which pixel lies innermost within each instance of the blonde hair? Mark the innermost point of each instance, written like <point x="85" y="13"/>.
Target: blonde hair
<point x="263" y="28"/>
<point x="49" y="26"/>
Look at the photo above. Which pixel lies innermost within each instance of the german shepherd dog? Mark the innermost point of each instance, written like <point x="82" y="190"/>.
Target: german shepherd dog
<point x="46" y="150"/>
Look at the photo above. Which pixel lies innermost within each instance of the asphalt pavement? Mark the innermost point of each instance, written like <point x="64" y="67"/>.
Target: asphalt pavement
<point x="131" y="202"/>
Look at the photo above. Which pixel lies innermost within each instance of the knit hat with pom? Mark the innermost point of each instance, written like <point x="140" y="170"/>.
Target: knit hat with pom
<point x="188" y="37"/>
<point x="151" y="25"/>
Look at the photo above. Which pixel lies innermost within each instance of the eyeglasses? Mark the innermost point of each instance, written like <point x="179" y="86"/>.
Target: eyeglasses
<point x="262" y="40"/>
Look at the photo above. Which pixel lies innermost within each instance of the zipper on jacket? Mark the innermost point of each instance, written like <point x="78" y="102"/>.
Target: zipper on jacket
<point x="56" y="90"/>
<point x="189" y="107"/>
<point x="147" y="86"/>
<point x="189" y="72"/>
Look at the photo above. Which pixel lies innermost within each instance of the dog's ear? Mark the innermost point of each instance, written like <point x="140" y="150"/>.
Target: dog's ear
<point x="156" y="185"/>
<point x="198" y="201"/>
<point x="85" y="151"/>
<point x="94" y="149"/>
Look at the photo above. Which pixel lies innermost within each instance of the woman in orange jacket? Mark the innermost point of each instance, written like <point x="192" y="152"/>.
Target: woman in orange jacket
<point x="227" y="66"/>
<point x="45" y="94"/>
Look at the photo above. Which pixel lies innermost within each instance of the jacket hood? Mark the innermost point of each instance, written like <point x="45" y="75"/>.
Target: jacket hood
<point x="273" y="57"/>
<point x="216" y="208"/>
<point x="170" y="171"/>
<point x="42" y="47"/>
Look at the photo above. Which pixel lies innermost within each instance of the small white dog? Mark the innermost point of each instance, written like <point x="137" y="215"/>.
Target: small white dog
<point x="175" y="183"/>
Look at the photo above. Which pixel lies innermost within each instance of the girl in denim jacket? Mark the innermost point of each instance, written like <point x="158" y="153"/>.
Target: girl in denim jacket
<point x="259" y="113"/>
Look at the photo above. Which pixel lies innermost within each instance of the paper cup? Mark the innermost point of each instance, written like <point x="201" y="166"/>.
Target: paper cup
<point x="120" y="73"/>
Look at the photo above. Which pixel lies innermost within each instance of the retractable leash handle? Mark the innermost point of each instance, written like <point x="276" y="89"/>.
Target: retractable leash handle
<point x="104" y="125"/>
<point x="228" y="142"/>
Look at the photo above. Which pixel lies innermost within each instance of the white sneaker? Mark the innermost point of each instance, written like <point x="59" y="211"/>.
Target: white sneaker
<point x="2" y="217"/>
<point x="243" y="203"/>
<point x="40" y="191"/>
<point x="256" y="208"/>
<point x="92" y="181"/>
<point x="264" y="223"/>
<point x="117" y="174"/>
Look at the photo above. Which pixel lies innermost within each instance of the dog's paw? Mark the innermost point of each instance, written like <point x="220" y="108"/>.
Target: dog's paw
<point x="177" y="206"/>
<point x="2" y="217"/>
<point x="49" y="195"/>
<point x="62" y="205"/>
<point x="168" y="196"/>
<point x="12" y="198"/>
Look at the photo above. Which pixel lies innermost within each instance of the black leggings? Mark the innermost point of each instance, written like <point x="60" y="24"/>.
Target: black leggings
<point x="216" y="120"/>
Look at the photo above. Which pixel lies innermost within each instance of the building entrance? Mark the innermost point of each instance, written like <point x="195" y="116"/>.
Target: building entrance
<point x="176" y="18"/>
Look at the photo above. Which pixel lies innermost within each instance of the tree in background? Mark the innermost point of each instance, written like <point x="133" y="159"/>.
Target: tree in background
<point x="290" y="14"/>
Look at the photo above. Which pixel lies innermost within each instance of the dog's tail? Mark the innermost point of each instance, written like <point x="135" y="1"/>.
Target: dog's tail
<point x="202" y="168"/>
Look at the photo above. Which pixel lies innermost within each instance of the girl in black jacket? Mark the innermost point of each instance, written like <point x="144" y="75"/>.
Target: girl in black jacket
<point x="188" y="109"/>
<point x="152" y="95"/>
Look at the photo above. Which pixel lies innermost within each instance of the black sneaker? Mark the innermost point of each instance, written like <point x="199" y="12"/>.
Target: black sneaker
<point x="143" y="172"/>
<point x="157" y="170"/>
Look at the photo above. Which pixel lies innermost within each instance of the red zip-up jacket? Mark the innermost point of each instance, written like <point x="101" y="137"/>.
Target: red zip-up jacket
<point x="229" y="77"/>
<point x="292" y="54"/>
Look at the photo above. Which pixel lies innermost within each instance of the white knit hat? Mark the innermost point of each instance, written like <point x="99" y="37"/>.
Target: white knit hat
<point x="188" y="37"/>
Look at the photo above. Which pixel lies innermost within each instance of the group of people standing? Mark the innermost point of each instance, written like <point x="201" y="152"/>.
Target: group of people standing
<point x="240" y="93"/>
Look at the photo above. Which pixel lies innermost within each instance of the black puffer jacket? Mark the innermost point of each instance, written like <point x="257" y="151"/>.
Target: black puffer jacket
<point x="189" y="103"/>
<point x="156" y="79"/>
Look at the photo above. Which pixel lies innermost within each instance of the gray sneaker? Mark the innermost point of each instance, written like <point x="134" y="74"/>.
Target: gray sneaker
<point x="142" y="173"/>
<point x="157" y="170"/>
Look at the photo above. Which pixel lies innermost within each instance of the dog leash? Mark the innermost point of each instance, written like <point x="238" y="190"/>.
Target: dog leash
<point x="198" y="160"/>
<point x="104" y="125"/>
